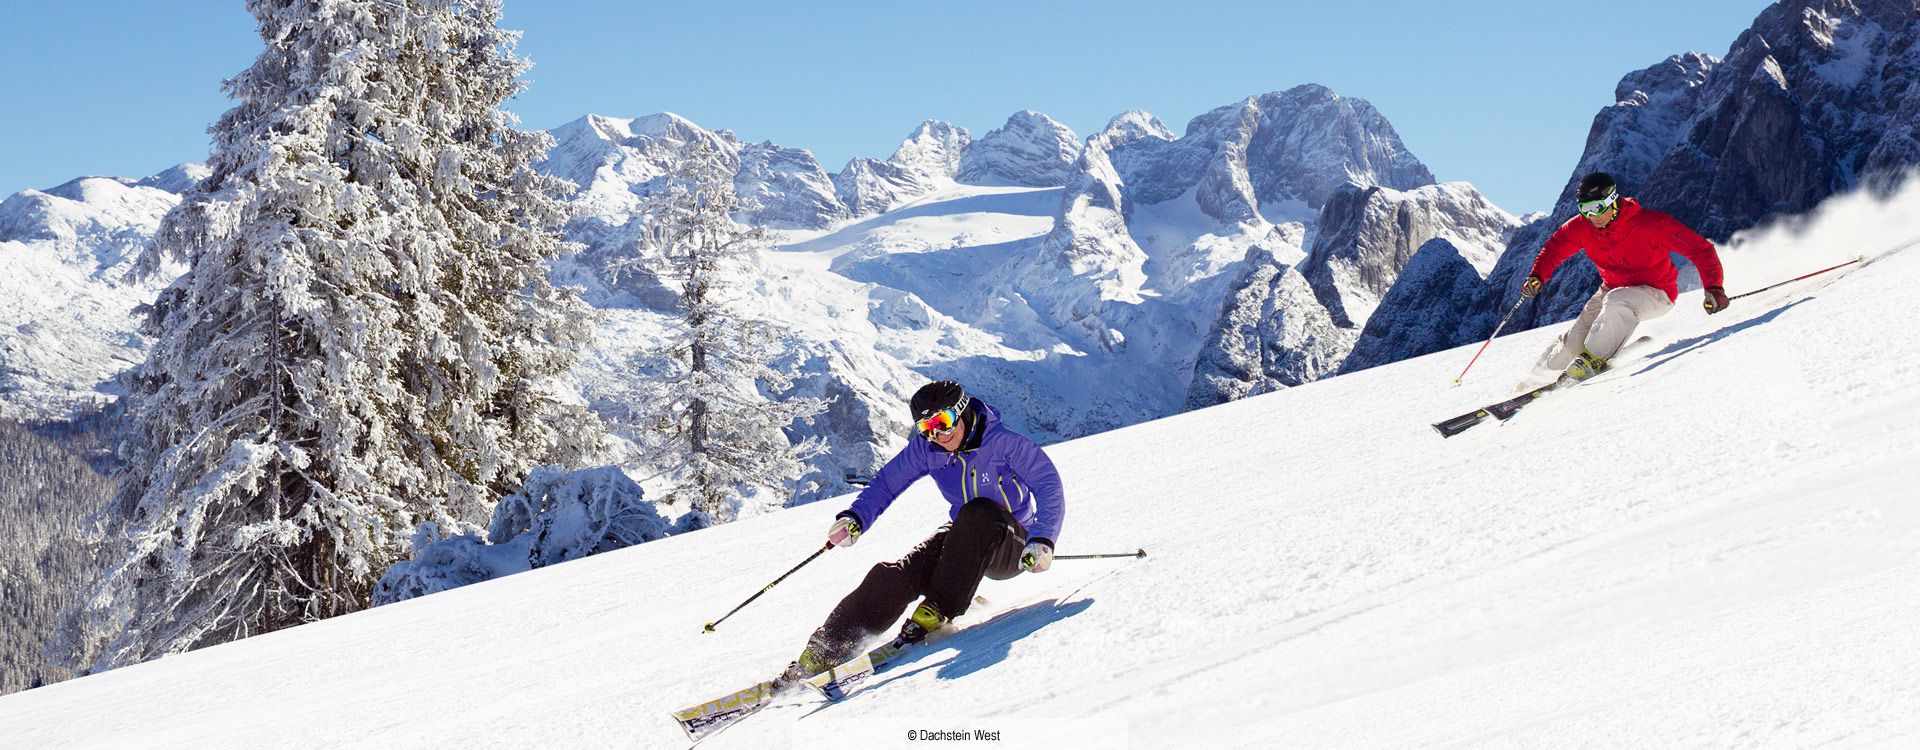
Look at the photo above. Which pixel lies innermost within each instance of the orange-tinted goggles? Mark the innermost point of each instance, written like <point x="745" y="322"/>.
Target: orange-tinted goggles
<point x="939" y="422"/>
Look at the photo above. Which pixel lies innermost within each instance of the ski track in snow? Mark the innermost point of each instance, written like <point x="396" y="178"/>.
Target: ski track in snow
<point x="1717" y="543"/>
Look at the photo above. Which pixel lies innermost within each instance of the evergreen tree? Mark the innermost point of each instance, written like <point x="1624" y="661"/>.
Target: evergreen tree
<point x="365" y="339"/>
<point x="45" y="492"/>
<point x="722" y="399"/>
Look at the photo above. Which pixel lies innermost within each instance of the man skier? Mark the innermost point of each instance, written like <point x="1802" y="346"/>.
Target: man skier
<point x="1007" y="510"/>
<point x="1631" y="246"/>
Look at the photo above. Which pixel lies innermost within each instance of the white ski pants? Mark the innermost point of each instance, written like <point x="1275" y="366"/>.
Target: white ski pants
<point x="1605" y="324"/>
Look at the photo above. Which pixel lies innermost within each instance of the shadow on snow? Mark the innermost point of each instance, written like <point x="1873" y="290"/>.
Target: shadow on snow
<point x="988" y="643"/>
<point x="1685" y="346"/>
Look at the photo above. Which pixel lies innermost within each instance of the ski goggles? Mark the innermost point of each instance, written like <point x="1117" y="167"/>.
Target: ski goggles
<point x="939" y="422"/>
<point x="1599" y="205"/>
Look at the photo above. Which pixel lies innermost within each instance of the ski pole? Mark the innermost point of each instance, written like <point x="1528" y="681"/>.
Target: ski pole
<point x="1135" y="553"/>
<point x="1794" y="279"/>
<point x="1496" y="334"/>
<point x="776" y="582"/>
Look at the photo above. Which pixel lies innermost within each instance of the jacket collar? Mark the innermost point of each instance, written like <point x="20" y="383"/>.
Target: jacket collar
<point x="1629" y="208"/>
<point x="980" y="420"/>
<point x="976" y="428"/>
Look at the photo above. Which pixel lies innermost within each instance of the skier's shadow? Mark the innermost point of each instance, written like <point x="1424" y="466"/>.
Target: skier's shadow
<point x="1682" y="347"/>
<point x="988" y="643"/>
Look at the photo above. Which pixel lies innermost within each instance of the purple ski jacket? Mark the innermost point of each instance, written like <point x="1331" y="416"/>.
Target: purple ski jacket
<point x="1003" y="466"/>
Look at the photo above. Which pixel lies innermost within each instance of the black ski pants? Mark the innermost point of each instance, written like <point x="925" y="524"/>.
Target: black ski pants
<point x="982" y="541"/>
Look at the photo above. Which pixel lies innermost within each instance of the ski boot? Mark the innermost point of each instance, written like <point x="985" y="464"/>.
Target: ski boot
<point x="1584" y="366"/>
<point x="925" y="620"/>
<point x="812" y="661"/>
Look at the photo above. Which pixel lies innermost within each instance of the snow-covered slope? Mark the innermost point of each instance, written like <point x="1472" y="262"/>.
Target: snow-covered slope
<point x="1718" y="543"/>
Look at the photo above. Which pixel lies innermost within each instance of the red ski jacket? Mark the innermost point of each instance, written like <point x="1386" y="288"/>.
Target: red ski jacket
<point x="1633" y="250"/>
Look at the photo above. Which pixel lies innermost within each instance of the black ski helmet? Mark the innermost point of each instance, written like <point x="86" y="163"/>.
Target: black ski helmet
<point x="1594" y="187"/>
<point x="938" y="395"/>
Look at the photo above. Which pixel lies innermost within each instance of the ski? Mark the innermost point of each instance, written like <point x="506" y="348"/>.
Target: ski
<point x="703" y="720"/>
<point x="1502" y="411"/>
<point x="1505" y="410"/>
<point x="837" y="683"/>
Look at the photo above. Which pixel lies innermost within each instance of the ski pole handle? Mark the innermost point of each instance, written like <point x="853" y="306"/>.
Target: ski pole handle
<point x="1135" y="553"/>
<point x="769" y="587"/>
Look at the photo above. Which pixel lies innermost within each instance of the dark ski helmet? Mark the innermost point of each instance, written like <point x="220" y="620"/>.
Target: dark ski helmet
<point x="1594" y="187"/>
<point x="937" y="395"/>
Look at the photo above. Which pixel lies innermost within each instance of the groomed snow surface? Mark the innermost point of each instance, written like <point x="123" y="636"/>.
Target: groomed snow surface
<point x="1716" y="544"/>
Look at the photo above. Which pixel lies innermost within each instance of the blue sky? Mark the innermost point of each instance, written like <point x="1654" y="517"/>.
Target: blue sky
<point x="1499" y="94"/>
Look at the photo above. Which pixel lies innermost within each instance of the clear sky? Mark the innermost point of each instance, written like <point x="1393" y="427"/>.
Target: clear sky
<point x="1499" y="94"/>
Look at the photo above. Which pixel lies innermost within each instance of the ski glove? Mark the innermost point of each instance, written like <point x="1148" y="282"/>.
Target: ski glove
<point x="845" y="531"/>
<point x="1531" y="286"/>
<point x="1037" y="557"/>
<point x="1716" y="300"/>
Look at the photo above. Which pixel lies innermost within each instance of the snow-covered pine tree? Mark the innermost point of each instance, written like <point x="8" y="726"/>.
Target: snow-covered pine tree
<point x="724" y="402"/>
<point x="365" y="341"/>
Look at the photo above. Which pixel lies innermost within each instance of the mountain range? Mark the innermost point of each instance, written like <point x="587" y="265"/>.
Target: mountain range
<point x="1083" y="284"/>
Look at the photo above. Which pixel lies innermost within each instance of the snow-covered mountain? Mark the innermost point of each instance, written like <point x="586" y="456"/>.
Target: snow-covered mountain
<point x="1168" y="248"/>
<point x="67" y="323"/>
<point x="1285" y="326"/>
<point x="1031" y="149"/>
<point x="1277" y="155"/>
<point x="1167" y="272"/>
<point x="1816" y="97"/>
<point x="926" y="161"/>
<point x="1278" y="239"/>
<point x="1402" y="328"/>
<point x="977" y="268"/>
<point x="1368" y="234"/>
<point x="1310" y="580"/>
<point x="616" y="161"/>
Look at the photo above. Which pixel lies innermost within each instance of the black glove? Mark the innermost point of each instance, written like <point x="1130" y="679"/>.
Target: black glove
<point x="1716" y="300"/>
<point x="1531" y="286"/>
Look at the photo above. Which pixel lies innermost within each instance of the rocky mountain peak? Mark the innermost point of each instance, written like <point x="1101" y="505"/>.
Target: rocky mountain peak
<point x="1133" y="125"/>
<point x="933" y="150"/>
<point x="1366" y="235"/>
<point x="1280" y="153"/>
<point x="928" y="158"/>
<point x="1031" y="149"/>
<point x="179" y="178"/>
